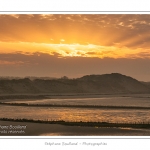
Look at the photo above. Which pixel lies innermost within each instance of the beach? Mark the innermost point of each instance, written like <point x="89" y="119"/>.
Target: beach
<point x="40" y="129"/>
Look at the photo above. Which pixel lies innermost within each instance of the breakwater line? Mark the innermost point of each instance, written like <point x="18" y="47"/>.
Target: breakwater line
<point x="75" y="106"/>
<point x="81" y="123"/>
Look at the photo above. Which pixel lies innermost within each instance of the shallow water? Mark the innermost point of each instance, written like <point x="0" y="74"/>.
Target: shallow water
<point x="80" y="114"/>
<point x="75" y="114"/>
<point x="84" y="114"/>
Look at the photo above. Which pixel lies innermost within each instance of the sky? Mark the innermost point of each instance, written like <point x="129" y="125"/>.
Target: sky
<point x="74" y="45"/>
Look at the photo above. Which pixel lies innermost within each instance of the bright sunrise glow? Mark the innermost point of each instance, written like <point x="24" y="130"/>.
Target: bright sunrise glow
<point x="73" y="50"/>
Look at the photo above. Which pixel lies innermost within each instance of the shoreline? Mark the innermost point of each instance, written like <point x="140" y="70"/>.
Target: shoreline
<point x="142" y="125"/>
<point x="37" y="129"/>
<point x="40" y="96"/>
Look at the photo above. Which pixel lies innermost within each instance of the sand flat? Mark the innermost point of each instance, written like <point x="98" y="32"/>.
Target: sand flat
<point x="40" y="129"/>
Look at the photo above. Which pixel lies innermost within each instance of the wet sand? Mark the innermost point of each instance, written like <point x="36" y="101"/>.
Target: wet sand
<point x="39" y="129"/>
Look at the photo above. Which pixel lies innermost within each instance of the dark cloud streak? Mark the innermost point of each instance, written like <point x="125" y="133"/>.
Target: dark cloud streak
<point x="41" y="64"/>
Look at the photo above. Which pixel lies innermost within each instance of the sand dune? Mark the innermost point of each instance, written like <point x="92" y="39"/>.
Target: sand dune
<point x="114" y="83"/>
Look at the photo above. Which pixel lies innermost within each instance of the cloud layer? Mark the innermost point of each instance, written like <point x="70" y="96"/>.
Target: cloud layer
<point x="40" y="64"/>
<point x="128" y="30"/>
<point x="115" y="36"/>
<point x="75" y="45"/>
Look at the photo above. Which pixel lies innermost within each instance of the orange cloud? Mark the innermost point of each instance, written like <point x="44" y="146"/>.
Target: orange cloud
<point x="76" y="35"/>
<point x="74" y="50"/>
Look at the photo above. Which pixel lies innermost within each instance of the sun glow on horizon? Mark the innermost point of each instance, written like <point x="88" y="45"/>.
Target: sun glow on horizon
<point x="73" y="50"/>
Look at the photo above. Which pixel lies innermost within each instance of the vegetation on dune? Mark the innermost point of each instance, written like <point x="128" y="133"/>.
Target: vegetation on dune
<point x="114" y="83"/>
